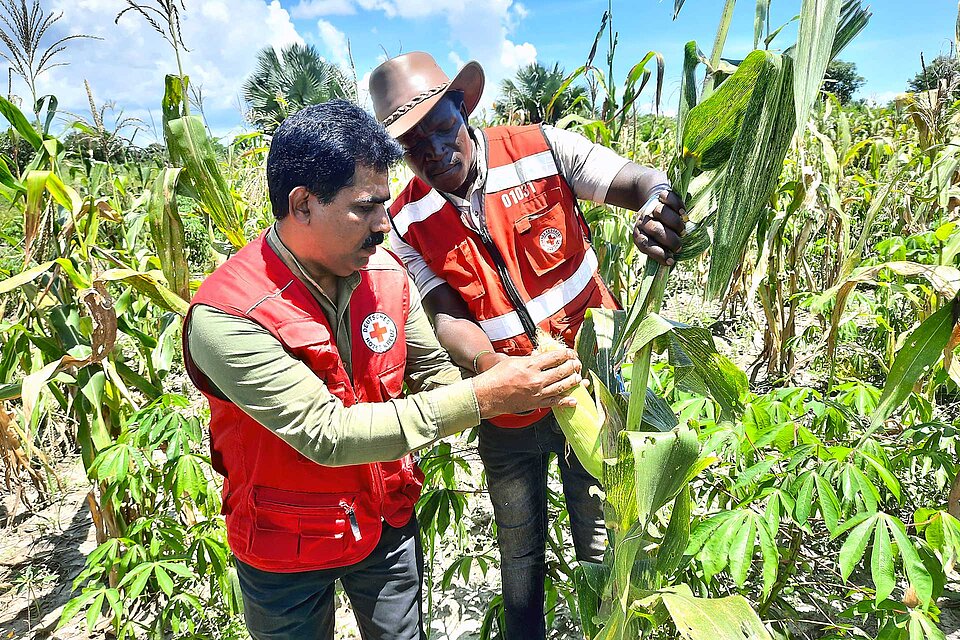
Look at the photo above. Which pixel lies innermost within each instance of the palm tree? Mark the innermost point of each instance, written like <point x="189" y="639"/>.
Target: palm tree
<point x="283" y="84"/>
<point x="530" y="94"/>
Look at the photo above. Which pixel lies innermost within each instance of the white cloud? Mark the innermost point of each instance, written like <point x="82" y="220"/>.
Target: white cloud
<point x="335" y="43"/>
<point x="309" y="9"/>
<point x="128" y="65"/>
<point x="363" y="91"/>
<point x="478" y="31"/>
<point x="881" y="97"/>
<point x="482" y="31"/>
<point x="513" y="56"/>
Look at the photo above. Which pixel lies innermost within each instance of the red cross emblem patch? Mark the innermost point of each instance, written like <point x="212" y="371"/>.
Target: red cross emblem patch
<point x="379" y="332"/>
<point x="551" y="240"/>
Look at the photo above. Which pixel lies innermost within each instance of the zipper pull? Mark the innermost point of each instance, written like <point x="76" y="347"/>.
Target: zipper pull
<point x="352" y="516"/>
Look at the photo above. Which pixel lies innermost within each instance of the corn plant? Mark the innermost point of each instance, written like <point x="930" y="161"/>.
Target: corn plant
<point x="735" y="137"/>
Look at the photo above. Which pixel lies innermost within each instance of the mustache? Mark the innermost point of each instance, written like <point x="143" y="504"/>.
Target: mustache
<point x="373" y="240"/>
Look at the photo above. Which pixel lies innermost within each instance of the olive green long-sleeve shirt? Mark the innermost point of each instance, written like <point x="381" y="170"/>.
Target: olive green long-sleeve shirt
<point x="250" y="367"/>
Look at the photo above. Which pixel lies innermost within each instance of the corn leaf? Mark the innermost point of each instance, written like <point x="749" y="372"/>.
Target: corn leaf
<point x="760" y="20"/>
<point x="65" y="195"/>
<point x="677" y="534"/>
<point x="19" y="122"/>
<point x="22" y="278"/>
<point x="588" y="595"/>
<point x="711" y="128"/>
<point x="149" y="284"/>
<point x="657" y="414"/>
<point x="818" y="26"/>
<point x="853" y="19"/>
<point x="8" y="180"/>
<point x="711" y="81"/>
<point x="677" y="5"/>
<point x="699" y="368"/>
<point x="599" y="341"/>
<point x="190" y="148"/>
<point x="651" y="470"/>
<point x="688" y="90"/>
<point x="36" y="183"/>
<point x="166" y="227"/>
<point x="922" y="350"/>
<point x="729" y="618"/>
<point x="754" y="166"/>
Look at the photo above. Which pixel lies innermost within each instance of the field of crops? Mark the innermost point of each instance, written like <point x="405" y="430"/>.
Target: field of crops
<point x="785" y="466"/>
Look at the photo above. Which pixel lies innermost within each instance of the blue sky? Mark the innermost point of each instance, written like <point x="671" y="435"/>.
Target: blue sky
<point x="127" y="65"/>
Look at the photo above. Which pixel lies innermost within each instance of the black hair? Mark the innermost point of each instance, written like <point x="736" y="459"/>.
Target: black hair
<point x="320" y="146"/>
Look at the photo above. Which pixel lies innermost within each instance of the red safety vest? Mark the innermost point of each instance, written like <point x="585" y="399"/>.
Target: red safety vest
<point x="530" y="266"/>
<point x="284" y="512"/>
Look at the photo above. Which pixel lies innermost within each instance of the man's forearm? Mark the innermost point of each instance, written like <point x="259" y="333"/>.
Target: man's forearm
<point x="634" y="185"/>
<point x="464" y="340"/>
<point x="457" y="332"/>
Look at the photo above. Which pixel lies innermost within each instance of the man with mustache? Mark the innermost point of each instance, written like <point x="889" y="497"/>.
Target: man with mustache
<point x="302" y="343"/>
<point x="490" y="229"/>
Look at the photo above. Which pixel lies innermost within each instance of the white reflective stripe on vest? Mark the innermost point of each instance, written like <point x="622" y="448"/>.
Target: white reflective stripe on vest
<point x="418" y="211"/>
<point x="539" y="165"/>
<point x="546" y="304"/>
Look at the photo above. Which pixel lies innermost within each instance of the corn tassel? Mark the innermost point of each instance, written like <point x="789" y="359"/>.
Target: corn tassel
<point x="582" y="425"/>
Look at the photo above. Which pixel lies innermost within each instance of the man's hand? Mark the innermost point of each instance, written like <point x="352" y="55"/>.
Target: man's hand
<point x="660" y="226"/>
<point x="519" y="384"/>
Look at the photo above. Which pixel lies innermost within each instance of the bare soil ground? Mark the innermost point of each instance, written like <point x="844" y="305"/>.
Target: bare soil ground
<point x="41" y="552"/>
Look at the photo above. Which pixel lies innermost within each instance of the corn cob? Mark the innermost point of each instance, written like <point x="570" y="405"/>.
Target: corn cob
<point x="582" y="425"/>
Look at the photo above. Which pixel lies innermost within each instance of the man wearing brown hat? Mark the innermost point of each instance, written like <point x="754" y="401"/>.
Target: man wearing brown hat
<point x="490" y="230"/>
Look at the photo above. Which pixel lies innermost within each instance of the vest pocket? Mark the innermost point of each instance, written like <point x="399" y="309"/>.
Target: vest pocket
<point x="548" y="238"/>
<point x="458" y="267"/>
<point x="391" y="382"/>
<point x="289" y="525"/>
<point x="310" y="341"/>
<point x="402" y="483"/>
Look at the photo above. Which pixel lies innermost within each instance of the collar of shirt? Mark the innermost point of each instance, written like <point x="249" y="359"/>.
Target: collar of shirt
<point x="471" y="206"/>
<point x="345" y="286"/>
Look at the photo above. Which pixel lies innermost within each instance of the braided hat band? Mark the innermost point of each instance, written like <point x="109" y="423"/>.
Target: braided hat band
<point x="414" y="101"/>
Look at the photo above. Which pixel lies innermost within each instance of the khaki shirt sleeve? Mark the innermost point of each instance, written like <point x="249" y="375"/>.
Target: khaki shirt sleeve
<point x="250" y="367"/>
<point x="428" y="364"/>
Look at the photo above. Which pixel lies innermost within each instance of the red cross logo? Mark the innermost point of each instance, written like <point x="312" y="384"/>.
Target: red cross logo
<point x="378" y="331"/>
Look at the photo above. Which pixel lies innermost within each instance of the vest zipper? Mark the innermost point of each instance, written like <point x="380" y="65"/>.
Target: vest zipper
<point x="352" y="516"/>
<point x="529" y="326"/>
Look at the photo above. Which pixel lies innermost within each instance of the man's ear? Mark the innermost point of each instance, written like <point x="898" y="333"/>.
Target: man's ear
<point x="298" y="204"/>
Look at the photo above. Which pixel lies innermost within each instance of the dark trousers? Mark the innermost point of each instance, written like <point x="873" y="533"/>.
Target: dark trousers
<point x="384" y="591"/>
<point x="515" y="461"/>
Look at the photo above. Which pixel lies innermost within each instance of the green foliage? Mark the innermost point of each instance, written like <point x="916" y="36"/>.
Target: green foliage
<point x="818" y="484"/>
<point x="842" y="80"/>
<point x="284" y="83"/>
<point x="172" y="559"/>
<point x="943" y="68"/>
<point x="535" y="96"/>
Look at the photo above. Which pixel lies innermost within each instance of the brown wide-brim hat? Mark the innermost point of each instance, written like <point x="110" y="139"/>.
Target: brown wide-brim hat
<point x="405" y="88"/>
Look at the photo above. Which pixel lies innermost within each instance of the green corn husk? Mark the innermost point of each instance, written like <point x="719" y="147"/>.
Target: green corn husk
<point x="582" y="425"/>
